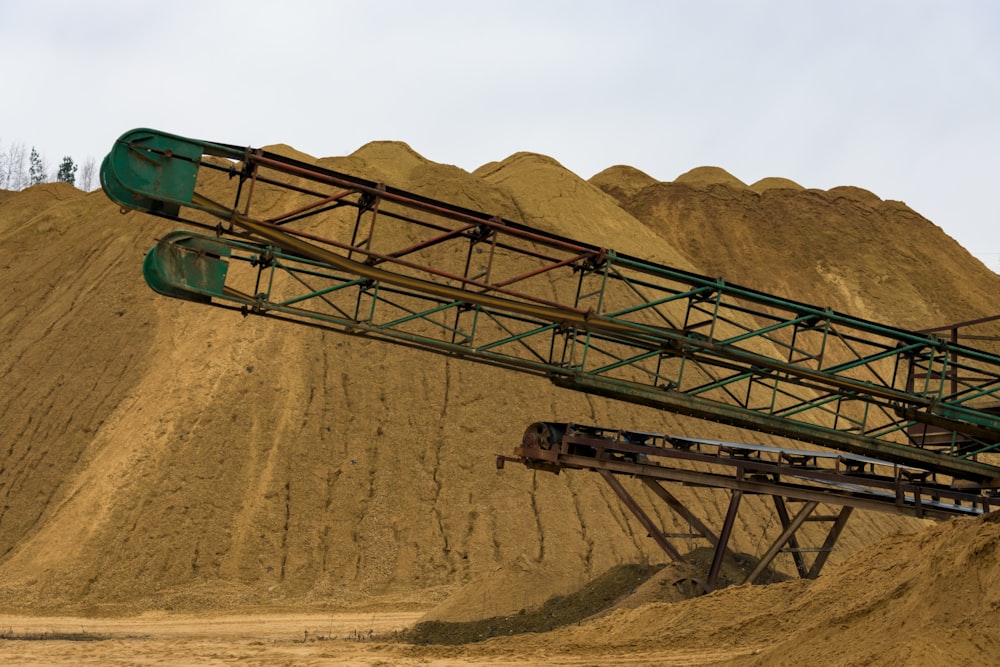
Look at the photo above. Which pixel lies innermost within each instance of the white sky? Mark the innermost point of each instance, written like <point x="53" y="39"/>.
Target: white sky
<point x="901" y="98"/>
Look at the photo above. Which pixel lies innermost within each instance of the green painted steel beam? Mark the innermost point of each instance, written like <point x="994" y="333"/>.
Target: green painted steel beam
<point x="153" y="171"/>
<point x="721" y="344"/>
<point x="187" y="266"/>
<point x="735" y="416"/>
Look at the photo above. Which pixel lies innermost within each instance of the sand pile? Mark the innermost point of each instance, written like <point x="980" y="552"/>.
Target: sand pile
<point x="844" y="248"/>
<point x="161" y="454"/>
<point x="921" y="600"/>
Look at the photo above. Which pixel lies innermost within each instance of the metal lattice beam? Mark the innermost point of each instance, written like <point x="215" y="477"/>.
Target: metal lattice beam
<point x="299" y="242"/>
<point x="814" y="479"/>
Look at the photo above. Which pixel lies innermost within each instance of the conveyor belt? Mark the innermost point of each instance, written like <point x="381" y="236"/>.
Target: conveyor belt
<point x="843" y="479"/>
<point x="812" y="479"/>
<point x="356" y="256"/>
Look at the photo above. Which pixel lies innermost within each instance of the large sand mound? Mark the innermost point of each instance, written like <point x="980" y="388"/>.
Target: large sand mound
<point x="159" y="454"/>
<point x="918" y="600"/>
<point x="844" y="248"/>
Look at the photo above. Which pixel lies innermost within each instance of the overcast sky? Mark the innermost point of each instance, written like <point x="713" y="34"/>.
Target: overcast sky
<point x="900" y="98"/>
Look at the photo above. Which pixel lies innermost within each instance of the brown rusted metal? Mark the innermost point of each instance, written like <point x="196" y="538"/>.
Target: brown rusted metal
<point x="679" y="507"/>
<point x="793" y="542"/>
<point x="831" y="540"/>
<point x="811" y="477"/>
<point x="410" y="201"/>
<point x="253" y="180"/>
<point x="651" y="528"/>
<point x="834" y="380"/>
<point x="953" y="328"/>
<point x="929" y="434"/>
<point x="433" y="241"/>
<point x="277" y="220"/>
<point x="724" y="535"/>
<point x="787" y="536"/>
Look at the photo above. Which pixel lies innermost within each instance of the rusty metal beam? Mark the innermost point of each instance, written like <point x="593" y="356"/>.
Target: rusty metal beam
<point x="787" y="534"/>
<point x="720" y="481"/>
<point x="787" y="475"/>
<point x="793" y="542"/>
<point x="680" y="509"/>
<point x="647" y="334"/>
<point x="647" y="523"/>
<point x="724" y="535"/>
<point x="831" y="540"/>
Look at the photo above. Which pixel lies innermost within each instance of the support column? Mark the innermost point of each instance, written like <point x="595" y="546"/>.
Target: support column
<point x="785" y="536"/>
<point x="831" y="540"/>
<point x="793" y="542"/>
<point x="679" y="508"/>
<point x="647" y="523"/>
<point x="727" y="530"/>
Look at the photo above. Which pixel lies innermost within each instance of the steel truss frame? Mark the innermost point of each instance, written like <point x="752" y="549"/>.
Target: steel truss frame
<point x="356" y="256"/>
<point x="810" y="479"/>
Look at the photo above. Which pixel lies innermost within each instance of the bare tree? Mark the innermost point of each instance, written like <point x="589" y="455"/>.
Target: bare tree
<point x="15" y="173"/>
<point x="88" y="171"/>
<point x="18" y="169"/>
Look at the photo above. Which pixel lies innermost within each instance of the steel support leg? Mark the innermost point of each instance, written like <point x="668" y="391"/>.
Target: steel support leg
<point x="793" y="542"/>
<point x="679" y="508"/>
<point x="785" y="536"/>
<point x="831" y="540"/>
<point x="643" y="518"/>
<point x="727" y="530"/>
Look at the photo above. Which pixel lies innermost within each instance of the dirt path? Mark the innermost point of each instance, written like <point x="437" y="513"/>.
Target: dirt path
<point x="296" y="639"/>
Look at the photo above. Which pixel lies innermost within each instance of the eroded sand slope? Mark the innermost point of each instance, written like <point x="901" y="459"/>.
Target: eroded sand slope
<point x="163" y="455"/>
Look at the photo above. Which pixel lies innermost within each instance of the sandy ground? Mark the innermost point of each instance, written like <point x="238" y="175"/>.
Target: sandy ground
<point x="293" y="639"/>
<point x="158" y="454"/>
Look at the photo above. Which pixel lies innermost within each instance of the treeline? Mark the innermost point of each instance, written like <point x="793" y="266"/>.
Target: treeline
<point x="20" y="168"/>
